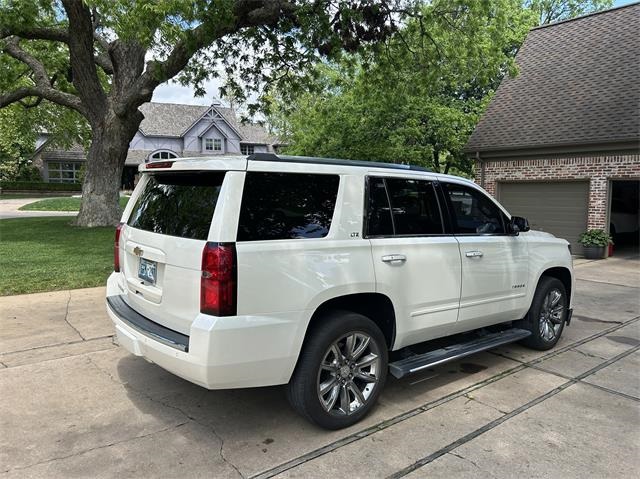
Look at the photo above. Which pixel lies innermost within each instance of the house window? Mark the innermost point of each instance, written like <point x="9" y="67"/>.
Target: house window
<point x="63" y="172"/>
<point x="163" y="155"/>
<point x="246" y="149"/>
<point x="213" y="144"/>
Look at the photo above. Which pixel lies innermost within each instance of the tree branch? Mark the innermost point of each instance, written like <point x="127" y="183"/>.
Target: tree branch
<point x="43" y="85"/>
<point x="247" y="13"/>
<point x="36" y="33"/>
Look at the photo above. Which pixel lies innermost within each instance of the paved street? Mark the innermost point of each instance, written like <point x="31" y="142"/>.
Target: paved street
<point x="73" y="404"/>
<point x="11" y="209"/>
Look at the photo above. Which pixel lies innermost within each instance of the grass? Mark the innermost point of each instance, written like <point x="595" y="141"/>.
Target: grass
<point x="61" y="204"/>
<point x="48" y="254"/>
<point x="19" y="196"/>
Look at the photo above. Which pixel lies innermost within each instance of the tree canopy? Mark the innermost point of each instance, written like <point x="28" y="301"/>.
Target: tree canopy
<point x="418" y="97"/>
<point x="104" y="58"/>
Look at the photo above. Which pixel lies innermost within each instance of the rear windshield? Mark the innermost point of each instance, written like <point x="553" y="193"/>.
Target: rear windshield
<point x="178" y="204"/>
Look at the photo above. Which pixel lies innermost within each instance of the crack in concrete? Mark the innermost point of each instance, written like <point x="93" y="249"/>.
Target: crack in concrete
<point x="163" y="402"/>
<point x="66" y="318"/>
<point x="66" y="343"/>
<point x="474" y="464"/>
<point x="107" y="348"/>
<point x="79" y="453"/>
<point x="589" y="355"/>
<point x="606" y="282"/>
<point x="471" y="398"/>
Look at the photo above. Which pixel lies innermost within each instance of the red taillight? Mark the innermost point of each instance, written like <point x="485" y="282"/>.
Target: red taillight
<point x="116" y="248"/>
<point x="159" y="164"/>
<point x="218" y="284"/>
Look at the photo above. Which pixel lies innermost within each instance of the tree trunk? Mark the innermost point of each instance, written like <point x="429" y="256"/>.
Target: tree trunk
<point x="105" y="161"/>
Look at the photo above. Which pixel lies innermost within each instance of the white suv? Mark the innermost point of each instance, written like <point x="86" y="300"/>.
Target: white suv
<point x="324" y="275"/>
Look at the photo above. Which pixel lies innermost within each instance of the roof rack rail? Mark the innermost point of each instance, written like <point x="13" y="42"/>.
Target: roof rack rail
<point x="332" y="161"/>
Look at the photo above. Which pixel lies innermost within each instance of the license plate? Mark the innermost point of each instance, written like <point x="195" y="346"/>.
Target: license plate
<point x="147" y="270"/>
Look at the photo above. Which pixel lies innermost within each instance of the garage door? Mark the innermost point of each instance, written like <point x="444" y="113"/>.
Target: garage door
<point x="560" y="208"/>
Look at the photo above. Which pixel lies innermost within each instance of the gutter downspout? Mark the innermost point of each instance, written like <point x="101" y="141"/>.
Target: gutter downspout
<point x="482" y="168"/>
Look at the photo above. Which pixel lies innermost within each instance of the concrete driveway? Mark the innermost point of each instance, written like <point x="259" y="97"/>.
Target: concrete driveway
<point x="72" y="404"/>
<point x="11" y="209"/>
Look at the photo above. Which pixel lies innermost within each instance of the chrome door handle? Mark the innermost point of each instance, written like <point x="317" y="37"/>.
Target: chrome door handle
<point x="474" y="254"/>
<point x="394" y="258"/>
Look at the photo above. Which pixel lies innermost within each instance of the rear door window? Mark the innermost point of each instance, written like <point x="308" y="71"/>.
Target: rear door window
<point x="402" y="207"/>
<point x="279" y="206"/>
<point x="178" y="204"/>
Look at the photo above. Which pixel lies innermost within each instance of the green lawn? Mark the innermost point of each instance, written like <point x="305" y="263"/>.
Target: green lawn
<point x="19" y="196"/>
<point x="61" y="204"/>
<point x="47" y="254"/>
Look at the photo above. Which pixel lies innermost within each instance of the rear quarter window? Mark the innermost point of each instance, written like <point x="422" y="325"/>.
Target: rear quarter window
<point x="178" y="204"/>
<point x="279" y="206"/>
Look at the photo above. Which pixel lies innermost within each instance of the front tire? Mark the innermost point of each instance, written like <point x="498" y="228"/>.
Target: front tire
<point x="547" y="316"/>
<point x="341" y="370"/>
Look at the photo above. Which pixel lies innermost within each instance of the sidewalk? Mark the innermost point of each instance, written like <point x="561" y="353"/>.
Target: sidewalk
<point x="10" y="209"/>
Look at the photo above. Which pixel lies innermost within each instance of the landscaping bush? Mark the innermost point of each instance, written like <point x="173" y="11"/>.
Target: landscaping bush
<point x="38" y="186"/>
<point x="595" y="237"/>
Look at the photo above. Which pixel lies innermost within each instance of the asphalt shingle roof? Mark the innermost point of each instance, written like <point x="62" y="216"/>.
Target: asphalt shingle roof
<point x="169" y="119"/>
<point x="578" y="84"/>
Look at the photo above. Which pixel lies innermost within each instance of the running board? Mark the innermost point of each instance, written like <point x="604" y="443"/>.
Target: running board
<point x="418" y="362"/>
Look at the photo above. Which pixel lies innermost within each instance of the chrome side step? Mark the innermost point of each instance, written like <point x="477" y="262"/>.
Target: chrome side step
<point x="418" y="362"/>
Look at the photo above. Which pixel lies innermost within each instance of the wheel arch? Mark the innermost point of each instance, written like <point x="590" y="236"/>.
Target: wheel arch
<point x="375" y="306"/>
<point x="563" y="274"/>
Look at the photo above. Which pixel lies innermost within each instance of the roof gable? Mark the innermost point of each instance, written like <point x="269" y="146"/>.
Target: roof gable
<point x="168" y="119"/>
<point x="174" y="120"/>
<point x="577" y="85"/>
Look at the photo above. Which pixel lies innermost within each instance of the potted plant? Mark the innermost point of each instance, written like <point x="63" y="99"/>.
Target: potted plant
<point x="595" y="242"/>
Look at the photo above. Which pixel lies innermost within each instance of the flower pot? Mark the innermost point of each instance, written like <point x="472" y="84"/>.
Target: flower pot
<point x="594" y="252"/>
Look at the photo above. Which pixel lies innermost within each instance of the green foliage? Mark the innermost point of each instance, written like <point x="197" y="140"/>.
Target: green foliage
<point x="48" y="254"/>
<point x="19" y="129"/>
<point x="595" y="237"/>
<point x="38" y="186"/>
<point x="417" y="99"/>
<point x="548" y="11"/>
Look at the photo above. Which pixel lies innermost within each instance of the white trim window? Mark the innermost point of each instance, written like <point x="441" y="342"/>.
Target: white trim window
<point x="246" y="149"/>
<point x="163" y="155"/>
<point x="63" y="171"/>
<point x="213" y="144"/>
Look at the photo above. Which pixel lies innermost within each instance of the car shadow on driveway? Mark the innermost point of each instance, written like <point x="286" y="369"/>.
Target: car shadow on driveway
<point x="258" y="428"/>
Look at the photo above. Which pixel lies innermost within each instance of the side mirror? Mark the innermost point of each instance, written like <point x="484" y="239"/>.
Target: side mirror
<point x="518" y="225"/>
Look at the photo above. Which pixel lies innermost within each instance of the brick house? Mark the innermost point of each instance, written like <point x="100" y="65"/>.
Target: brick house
<point x="560" y="142"/>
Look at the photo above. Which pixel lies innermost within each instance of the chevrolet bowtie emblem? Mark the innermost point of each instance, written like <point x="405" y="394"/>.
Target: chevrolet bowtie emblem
<point x="137" y="251"/>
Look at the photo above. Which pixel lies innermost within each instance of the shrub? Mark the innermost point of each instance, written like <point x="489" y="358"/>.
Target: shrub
<point x="38" y="186"/>
<point x="595" y="237"/>
<point x="29" y="173"/>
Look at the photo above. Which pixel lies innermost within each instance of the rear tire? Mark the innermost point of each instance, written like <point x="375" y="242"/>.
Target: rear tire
<point x="547" y="316"/>
<point x="341" y="370"/>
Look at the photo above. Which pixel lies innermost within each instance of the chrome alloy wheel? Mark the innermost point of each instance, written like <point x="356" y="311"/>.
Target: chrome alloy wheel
<point x="551" y="315"/>
<point x="349" y="373"/>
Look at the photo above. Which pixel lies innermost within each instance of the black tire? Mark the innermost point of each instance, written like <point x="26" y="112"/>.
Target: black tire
<point x="537" y="316"/>
<point x="303" y="390"/>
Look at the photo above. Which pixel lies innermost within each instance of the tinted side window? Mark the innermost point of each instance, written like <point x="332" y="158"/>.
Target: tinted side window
<point x="178" y="204"/>
<point x="472" y="212"/>
<point x="414" y="207"/>
<point x="287" y="205"/>
<point x="378" y="210"/>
